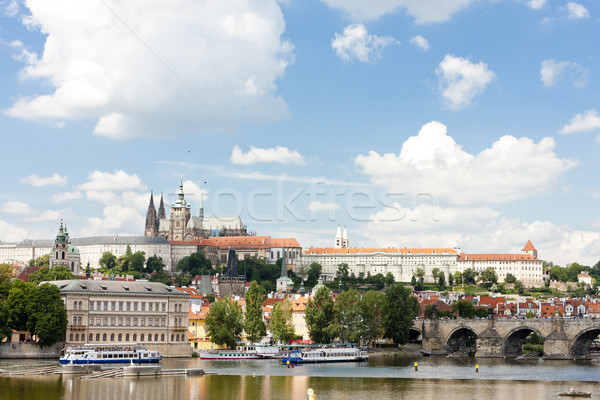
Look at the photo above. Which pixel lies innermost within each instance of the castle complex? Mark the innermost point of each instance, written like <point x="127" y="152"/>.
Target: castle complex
<point x="183" y="226"/>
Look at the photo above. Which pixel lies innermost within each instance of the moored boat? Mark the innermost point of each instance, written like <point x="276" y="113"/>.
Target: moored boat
<point x="102" y="354"/>
<point x="325" y="355"/>
<point x="249" y="352"/>
<point x="573" y="393"/>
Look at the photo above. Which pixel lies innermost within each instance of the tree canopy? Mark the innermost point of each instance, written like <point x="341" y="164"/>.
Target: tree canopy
<point x="320" y="317"/>
<point x="224" y="322"/>
<point x="195" y="264"/>
<point x="281" y="325"/>
<point x="46" y="274"/>
<point x="402" y="309"/>
<point x="254" y="325"/>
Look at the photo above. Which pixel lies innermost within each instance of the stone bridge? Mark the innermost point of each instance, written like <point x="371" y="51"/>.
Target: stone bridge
<point x="563" y="337"/>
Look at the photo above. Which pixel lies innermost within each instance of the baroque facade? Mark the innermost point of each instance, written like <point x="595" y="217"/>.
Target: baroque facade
<point x="63" y="253"/>
<point x="183" y="226"/>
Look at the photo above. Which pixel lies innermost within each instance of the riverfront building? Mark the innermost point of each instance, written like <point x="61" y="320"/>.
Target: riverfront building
<point x="119" y="312"/>
<point x="526" y="267"/>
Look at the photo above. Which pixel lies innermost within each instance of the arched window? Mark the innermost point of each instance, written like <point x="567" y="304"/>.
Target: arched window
<point x="135" y="337"/>
<point x="141" y="337"/>
<point x="112" y="337"/>
<point x="91" y="337"/>
<point x="149" y="337"/>
<point x="162" y="337"/>
<point x="174" y="321"/>
<point x="72" y="265"/>
<point x="97" y="337"/>
<point x="271" y="254"/>
<point x="127" y="337"/>
<point x="156" y="337"/>
<point x="277" y="254"/>
<point x="120" y="337"/>
<point x="74" y="320"/>
<point x="63" y="255"/>
<point x="78" y="320"/>
<point x="104" y="337"/>
<point x="172" y="337"/>
<point x="179" y="323"/>
<point x="57" y="255"/>
<point x="71" y="337"/>
<point x="77" y="337"/>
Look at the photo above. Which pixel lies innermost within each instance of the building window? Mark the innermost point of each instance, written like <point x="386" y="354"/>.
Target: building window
<point x="128" y="306"/>
<point x="105" y="322"/>
<point x="156" y="337"/>
<point x="164" y="307"/>
<point x="71" y="337"/>
<point x="74" y="321"/>
<point x="135" y="306"/>
<point x="141" y="338"/>
<point x="150" y="337"/>
<point x="149" y="321"/>
<point x="97" y="337"/>
<point x="150" y="307"/>
<point x="120" y="321"/>
<point x="113" y="306"/>
<point x="162" y="321"/>
<point x="74" y="305"/>
<point x="104" y="337"/>
<point x="135" y="337"/>
<point x="128" y="321"/>
<point x="91" y="306"/>
<point x="155" y="321"/>
<point x="120" y="306"/>
<point x="142" y="321"/>
<point x="172" y="337"/>
<point x="162" y="337"/>
<point x="91" y="321"/>
<point x="112" y="321"/>
<point x="112" y="337"/>
<point x="143" y="306"/>
<point x="78" y="320"/>
<point x="135" y="321"/>
<point x="106" y="306"/>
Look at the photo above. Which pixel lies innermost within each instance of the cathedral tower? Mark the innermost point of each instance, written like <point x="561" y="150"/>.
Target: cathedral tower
<point x="151" y="228"/>
<point x="180" y="215"/>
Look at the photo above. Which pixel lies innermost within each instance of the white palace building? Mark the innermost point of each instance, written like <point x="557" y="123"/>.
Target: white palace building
<point x="403" y="263"/>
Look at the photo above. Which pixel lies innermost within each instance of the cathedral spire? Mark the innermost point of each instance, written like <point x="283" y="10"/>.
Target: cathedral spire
<point x="151" y="228"/>
<point x="283" y="264"/>
<point x="161" y="209"/>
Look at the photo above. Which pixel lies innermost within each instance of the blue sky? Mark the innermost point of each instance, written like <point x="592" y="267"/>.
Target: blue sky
<point x="471" y="123"/>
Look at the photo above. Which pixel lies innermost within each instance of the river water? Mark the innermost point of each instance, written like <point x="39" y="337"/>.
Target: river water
<point x="380" y="378"/>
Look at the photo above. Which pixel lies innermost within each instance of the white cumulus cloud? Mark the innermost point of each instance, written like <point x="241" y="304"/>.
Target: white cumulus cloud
<point x="66" y="196"/>
<point x="115" y="218"/>
<point x="17" y="208"/>
<point x="11" y="233"/>
<point x="118" y="180"/>
<point x="255" y="155"/>
<point x="577" y="11"/>
<point x="423" y="11"/>
<point x="39" y="181"/>
<point x="584" y="122"/>
<point x="432" y="162"/>
<point x="536" y="4"/>
<point x="156" y="68"/>
<point x="356" y="44"/>
<point x="460" y="80"/>
<point x="552" y="71"/>
<point x="420" y="42"/>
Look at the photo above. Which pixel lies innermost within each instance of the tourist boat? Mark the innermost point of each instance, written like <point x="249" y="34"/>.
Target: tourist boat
<point x="573" y="393"/>
<point x="99" y="354"/>
<point x="245" y="352"/>
<point x="325" y="355"/>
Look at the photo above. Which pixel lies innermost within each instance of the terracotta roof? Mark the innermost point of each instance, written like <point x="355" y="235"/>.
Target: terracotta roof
<point x="497" y="257"/>
<point x="24" y="275"/>
<point x="287" y="242"/>
<point x="332" y="250"/>
<point x="528" y="246"/>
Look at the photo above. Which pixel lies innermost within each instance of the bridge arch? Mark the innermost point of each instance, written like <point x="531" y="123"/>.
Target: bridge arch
<point x="461" y="338"/>
<point x="580" y="346"/>
<point x="512" y="344"/>
<point x="414" y="334"/>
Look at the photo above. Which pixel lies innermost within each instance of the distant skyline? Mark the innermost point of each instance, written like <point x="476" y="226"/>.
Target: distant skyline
<point x="414" y="123"/>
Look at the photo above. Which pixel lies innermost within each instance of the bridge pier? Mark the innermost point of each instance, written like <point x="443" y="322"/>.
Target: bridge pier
<point x="556" y="344"/>
<point x="433" y="338"/>
<point x="489" y="342"/>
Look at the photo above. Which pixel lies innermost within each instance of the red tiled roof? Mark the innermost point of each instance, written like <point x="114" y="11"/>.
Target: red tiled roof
<point x="332" y="250"/>
<point x="497" y="257"/>
<point x="528" y="246"/>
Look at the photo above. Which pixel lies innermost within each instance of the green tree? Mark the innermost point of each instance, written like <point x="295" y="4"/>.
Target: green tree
<point x="389" y="279"/>
<point x="348" y="316"/>
<point x="254" y="326"/>
<point x="108" y="261"/>
<point x="136" y="261"/>
<point x="195" y="264"/>
<point x="161" y="276"/>
<point x="469" y="277"/>
<point x="314" y="273"/>
<point x="7" y="274"/>
<point x="4" y="313"/>
<point x="320" y="317"/>
<point x="510" y="278"/>
<point x="463" y="309"/>
<point x="441" y="281"/>
<point x="342" y="273"/>
<point x="40" y="261"/>
<point x="489" y="276"/>
<point x="374" y="309"/>
<point x="420" y="276"/>
<point x="183" y="280"/>
<point x="402" y="309"/>
<point x="47" y="315"/>
<point x="154" y="264"/>
<point x="18" y="304"/>
<point x="458" y="278"/>
<point x="281" y="325"/>
<point x="224" y="322"/>
<point x="46" y="274"/>
<point x="435" y="272"/>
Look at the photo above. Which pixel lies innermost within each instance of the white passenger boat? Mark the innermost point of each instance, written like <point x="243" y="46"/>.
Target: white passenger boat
<point x="248" y="352"/>
<point x="325" y="355"/>
<point x="102" y="354"/>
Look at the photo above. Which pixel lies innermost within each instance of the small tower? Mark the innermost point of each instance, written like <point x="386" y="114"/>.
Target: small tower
<point x="529" y="249"/>
<point x="345" y="241"/>
<point x="338" y="238"/>
<point x="64" y="253"/>
<point x="161" y="209"/>
<point x="180" y="215"/>
<point x="151" y="228"/>
<point x="284" y="283"/>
